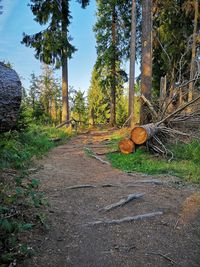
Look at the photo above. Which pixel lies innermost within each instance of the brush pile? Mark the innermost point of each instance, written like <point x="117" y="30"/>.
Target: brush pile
<point x="182" y="124"/>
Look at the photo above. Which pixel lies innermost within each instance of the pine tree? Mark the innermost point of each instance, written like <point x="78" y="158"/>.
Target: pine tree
<point x="79" y="107"/>
<point x="98" y="107"/>
<point x="52" y="45"/>
<point x="132" y="64"/>
<point x="112" y="37"/>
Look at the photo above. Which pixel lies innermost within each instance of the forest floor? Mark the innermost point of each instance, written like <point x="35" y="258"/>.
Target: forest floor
<point x="172" y="238"/>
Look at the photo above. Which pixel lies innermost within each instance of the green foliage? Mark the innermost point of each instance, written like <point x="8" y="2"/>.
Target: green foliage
<point x="20" y="200"/>
<point x="98" y="106"/>
<point x="50" y="44"/>
<point x="173" y="28"/>
<point x="186" y="163"/>
<point x="113" y="41"/>
<point x="79" y="111"/>
<point x="17" y="148"/>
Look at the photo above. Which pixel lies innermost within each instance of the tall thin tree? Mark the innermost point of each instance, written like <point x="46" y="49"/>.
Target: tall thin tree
<point x="194" y="40"/>
<point x="146" y="64"/>
<point x="132" y="64"/>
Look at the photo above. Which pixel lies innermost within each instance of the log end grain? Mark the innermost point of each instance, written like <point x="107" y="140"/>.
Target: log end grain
<point x="126" y="146"/>
<point x="139" y="135"/>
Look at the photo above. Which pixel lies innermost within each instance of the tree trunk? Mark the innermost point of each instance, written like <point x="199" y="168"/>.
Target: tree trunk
<point x="132" y="65"/>
<point x="192" y="69"/>
<point x="146" y="66"/>
<point x="65" y="98"/>
<point x="113" y="71"/>
<point x="126" y="146"/>
<point x="141" y="134"/>
<point x="10" y="97"/>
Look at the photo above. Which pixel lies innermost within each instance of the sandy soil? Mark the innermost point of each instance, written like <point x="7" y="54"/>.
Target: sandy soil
<point x="164" y="240"/>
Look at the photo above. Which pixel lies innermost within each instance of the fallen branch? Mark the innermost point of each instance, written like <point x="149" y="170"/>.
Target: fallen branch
<point x="81" y="186"/>
<point x="104" y="153"/>
<point x="162" y="255"/>
<point x="92" y="154"/>
<point x="126" y="219"/>
<point x="149" y="105"/>
<point x="122" y="202"/>
<point x="178" y="111"/>
<point x="91" y="186"/>
<point x="63" y="123"/>
<point x="147" y="181"/>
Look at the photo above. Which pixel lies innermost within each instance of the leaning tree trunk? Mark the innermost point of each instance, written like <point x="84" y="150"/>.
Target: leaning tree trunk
<point x="10" y="97"/>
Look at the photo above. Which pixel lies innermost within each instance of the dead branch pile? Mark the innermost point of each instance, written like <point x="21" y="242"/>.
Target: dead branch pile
<point x="175" y="125"/>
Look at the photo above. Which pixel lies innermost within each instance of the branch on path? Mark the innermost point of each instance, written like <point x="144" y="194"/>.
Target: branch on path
<point x="162" y="255"/>
<point x="146" y="181"/>
<point x="122" y="202"/>
<point x="81" y="186"/>
<point x="126" y="219"/>
<point x="91" y="186"/>
<point x="104" y="153"/>
<point x="93" y="155"/>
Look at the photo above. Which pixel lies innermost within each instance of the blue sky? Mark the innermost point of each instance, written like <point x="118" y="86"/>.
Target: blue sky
<point x="17" y="18"/>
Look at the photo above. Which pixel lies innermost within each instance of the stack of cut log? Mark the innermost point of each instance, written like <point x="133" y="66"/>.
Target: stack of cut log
<point x="139" y="136"/>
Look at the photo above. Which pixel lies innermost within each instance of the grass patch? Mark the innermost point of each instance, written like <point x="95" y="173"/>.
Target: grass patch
<point x="186" y="163"/>
<point x="17" y="148"/>
<point x="21" y="202"/>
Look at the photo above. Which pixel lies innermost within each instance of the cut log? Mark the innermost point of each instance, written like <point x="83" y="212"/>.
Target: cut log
<point x="10" y="97"/>
<point x="126" y="146"/>
<point x="140" y="134"/>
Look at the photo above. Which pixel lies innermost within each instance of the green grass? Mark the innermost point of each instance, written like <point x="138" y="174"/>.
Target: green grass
<point x="17" y="148"/>
<point x="186" y="162"/>
<point x="21" y="202"/>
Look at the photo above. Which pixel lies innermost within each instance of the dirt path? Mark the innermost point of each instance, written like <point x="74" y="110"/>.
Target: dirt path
<point x="152" y="242"/>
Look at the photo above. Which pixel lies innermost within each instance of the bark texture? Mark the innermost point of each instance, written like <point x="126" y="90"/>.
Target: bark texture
<point x="132" y="65"/>
<point x="65" y="97"/>
<point x="10" y="97"/>
<point x="146" y="64"/>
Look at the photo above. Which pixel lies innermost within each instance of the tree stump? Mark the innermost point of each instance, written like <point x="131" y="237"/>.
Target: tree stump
<point x="10" y="97"/>
<point x="140" y="134"/>
<point x="126" y="146"/>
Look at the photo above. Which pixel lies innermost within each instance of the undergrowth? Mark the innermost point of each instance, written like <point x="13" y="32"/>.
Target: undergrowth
<point x="185" y="164"/>
<point x="20" y="200"/>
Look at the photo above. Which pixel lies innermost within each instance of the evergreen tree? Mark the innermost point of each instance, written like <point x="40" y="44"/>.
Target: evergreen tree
<point x="173" y="28"/>
<point x="112" y="37"/>
<point x="146" y="61"/>
<point x="79" y="107"/>
<point x="132" y="64"/>
<point x="52" y="45"/>
<point x="98" y="107"/>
